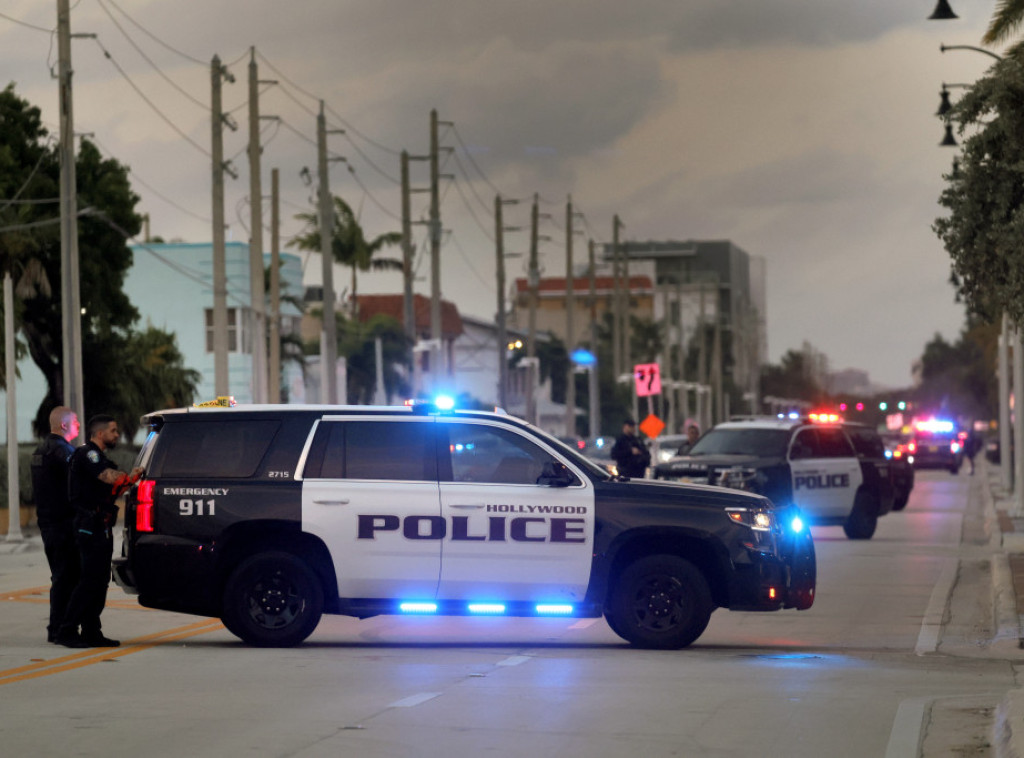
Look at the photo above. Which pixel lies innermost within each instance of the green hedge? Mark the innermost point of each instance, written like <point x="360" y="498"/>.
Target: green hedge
<point x="124" y="457"/>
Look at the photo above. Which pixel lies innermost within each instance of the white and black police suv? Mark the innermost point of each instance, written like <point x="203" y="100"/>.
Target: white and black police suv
<point x="269" y="516"/>
<point x="814" y="466"/>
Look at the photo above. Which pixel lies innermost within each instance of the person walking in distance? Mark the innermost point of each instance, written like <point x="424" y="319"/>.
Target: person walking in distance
<point x="94" y="484"/>
<point x="50" y="463"/>
<point x="630" y="453"/>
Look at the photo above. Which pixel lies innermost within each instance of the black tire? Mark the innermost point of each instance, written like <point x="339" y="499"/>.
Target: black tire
<point x="272" y="599"/>
<point x="901" y="501"/>
<point x="660" y="602"/>
<point x="863" y="519"/>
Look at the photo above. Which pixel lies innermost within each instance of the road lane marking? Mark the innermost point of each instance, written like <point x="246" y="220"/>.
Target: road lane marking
<point x="514" y="660"/>
<point x="100" y="654"/>
<point x="931" y="625"/>
<point x="413" y="700"/>
<point x="906" y="728"/>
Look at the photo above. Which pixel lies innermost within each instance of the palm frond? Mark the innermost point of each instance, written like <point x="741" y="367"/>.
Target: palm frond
<point x="1005" y="21"/>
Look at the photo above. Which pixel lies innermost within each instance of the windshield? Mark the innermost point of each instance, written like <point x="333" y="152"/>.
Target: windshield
<point x="764" y="443"/>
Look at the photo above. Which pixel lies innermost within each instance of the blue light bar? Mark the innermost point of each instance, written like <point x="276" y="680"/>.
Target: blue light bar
<point x="418" y="607"/>
<point x="797" y="524"/>
<point x="444" y="402"/>
<point x="554" y="610"/>
<point x="493" y="608"/>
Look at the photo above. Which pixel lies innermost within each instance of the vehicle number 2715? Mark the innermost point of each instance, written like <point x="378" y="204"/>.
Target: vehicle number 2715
<point x="189" y="507"/>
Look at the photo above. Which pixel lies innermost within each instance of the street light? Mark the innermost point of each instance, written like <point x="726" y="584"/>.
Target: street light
<point x="942" y="12"/>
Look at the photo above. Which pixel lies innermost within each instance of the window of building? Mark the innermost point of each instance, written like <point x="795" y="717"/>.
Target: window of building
<point x="234" y="320"/>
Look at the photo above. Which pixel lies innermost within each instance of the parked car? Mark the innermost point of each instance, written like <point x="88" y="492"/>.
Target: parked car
<point x="937" y="444"/>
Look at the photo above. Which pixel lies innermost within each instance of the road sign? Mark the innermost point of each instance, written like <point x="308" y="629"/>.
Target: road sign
<point x="647" y="379"/>
<point x="652" y="426"/>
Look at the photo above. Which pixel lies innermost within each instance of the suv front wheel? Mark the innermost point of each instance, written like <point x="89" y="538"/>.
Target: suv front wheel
<point x="272" y="599"/>
<point x="863" y="519"/>
<point x="660" y="602"/>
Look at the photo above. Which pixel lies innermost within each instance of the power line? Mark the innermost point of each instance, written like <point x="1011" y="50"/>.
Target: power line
<point x="465" y="201"/>
<point x="27" y="25"/>
<point x="154" y="37"/>
<point x="484" y="281"/>
<point x="487" y="207"/>
<point x="151" y="104"/>
<point x="149" y="60"/>
<point x="370" y="195"/>
<point x="471" y="160"/>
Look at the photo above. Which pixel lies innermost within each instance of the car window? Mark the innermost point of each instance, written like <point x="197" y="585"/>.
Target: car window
<point x="760" y="442"/>
<point x="488" y="454"/>
<point x="867" y="442"/>
<point x="834" y="444"/>
<point x="379" y="450"/>
<point x="225" y="449"/>
<point x="805" y="445"/>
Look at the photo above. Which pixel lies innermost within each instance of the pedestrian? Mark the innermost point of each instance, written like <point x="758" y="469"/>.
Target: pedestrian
<point x="630" y="453"/>
<point x="94" y="484"/>
<point x="50" y="462"/>
<point x="971" y="446"/>
<point x="692" y="435"/>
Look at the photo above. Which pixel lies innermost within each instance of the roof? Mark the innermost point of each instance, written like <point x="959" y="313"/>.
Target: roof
<point x="392" y="305"/>
<point x="581" y="284"/>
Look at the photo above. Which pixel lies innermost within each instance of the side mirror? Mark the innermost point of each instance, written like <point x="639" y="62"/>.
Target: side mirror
<point x="555" y="474"/>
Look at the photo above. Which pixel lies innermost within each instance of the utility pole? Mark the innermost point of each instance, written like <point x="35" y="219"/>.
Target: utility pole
<point x="533" y="281"/>
<point x="71" y="304"/>
<point x="221" y="381"/>
<point x="570" y="335"/>
<point x="499" y="245"/>
<point x="329" y="335"/>
<point x="616" y="303"/>
<point x="408" y="311"/>
<point x="256" y="291"/>
<point x="274" y="377"/>
<point x="624" y="331"/>
<point x="592" y="386"/>
<point x="435" y="257"/>
<point x="11" y="377"/>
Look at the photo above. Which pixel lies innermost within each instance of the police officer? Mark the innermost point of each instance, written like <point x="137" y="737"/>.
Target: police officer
<point x="94" y="484"/>
<point x="54" y="514"/>
<point x="629" y="453"/>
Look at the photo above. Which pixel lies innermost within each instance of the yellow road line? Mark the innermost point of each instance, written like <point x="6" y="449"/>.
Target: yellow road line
<point x="98" y="655"/>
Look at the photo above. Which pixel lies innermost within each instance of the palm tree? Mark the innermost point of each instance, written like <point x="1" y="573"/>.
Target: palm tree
<point x="349" y="244"/>
<point x="1006" y="21"/>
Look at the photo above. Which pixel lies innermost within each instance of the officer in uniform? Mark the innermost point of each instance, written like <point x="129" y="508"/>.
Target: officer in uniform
<point x="54" y="514"/>
<point x="629" y="453"/>
<point x="94" y="484"/>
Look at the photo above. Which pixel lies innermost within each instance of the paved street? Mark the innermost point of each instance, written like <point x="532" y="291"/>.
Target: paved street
<point x="909" y="650"/>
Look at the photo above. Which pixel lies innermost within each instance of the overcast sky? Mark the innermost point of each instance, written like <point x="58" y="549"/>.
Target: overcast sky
<point x="803" y="132"/>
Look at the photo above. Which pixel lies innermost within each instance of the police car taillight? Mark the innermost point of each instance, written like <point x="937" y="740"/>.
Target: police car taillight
<point x="144" y="506"/>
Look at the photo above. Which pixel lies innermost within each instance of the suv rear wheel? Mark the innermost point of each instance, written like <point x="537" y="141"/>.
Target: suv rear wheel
<point x="273" y="599"/>
<point x="863" y="519"/>
<point x="661" y="602"/>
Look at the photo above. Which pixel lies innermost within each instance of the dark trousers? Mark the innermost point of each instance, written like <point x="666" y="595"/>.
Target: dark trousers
<point x="90" y="595"/>
<point x="62" y="555"/>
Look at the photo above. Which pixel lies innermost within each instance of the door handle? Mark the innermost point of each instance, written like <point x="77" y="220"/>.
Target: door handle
<point x="331" y="502"/>
<point x="466" y="505"/>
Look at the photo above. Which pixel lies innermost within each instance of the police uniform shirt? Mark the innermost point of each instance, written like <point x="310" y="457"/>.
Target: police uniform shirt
<point x="50" y="464"/>
<point x="88" y="494"/>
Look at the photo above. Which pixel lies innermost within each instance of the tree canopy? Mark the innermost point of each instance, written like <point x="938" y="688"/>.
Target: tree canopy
<point x="984" y="231"/>
<point x="125" y="372"/>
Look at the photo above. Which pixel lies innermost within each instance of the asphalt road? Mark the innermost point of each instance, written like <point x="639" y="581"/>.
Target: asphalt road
<point x="894" y="659"/>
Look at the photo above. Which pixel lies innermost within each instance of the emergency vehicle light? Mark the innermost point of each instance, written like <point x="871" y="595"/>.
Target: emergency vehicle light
<point x="144" y="506"/>
<point x="554" y="610"/>
<point x="487" y="608"/>
<point x="417" y="607"/>
<point x="934" y="425"/>
<point x="797" y="524"/>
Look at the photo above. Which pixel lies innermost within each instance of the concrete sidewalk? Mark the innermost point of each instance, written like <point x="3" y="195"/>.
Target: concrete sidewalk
<point x="1008" y="601"/>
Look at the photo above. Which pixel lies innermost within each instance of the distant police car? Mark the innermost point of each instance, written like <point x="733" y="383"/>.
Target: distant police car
<point x="791" y="461"/>
<point x="269" y="516"/>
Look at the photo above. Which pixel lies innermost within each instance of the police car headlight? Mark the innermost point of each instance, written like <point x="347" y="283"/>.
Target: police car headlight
<point x="756" y="518"/>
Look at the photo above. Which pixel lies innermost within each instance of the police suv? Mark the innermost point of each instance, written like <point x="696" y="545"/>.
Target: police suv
<point x="812" y="465"/>
<point x="269" y="516"/>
